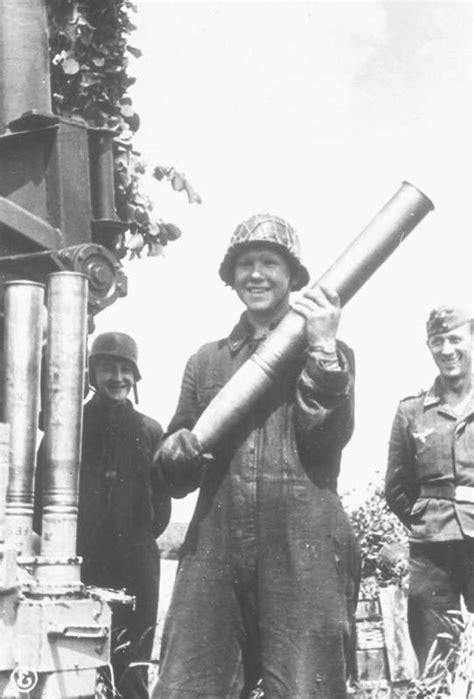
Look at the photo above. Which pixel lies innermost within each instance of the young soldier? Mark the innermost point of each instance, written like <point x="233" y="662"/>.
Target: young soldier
<point x="123" y="507"/>
<point x="267" y="582"/>
<point x="430" y="481"/>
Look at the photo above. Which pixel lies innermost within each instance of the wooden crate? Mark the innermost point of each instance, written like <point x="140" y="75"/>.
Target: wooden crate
<point x="384" y="653"/>
<point x="372" y="662"/>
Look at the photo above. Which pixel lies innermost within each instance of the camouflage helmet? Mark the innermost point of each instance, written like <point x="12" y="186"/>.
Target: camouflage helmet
<point x="273" y="230"/>
<point x="114" y="344"/>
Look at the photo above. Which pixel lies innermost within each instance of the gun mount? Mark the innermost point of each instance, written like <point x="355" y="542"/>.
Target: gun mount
<point x="57" y="635"/>
<point x="59" y="234"/>
<point x="57" y="204"/>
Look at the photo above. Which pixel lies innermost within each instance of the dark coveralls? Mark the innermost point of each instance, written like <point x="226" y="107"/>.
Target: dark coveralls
<point x="267" y="583"/>
<point x="430" y="487"/>
<point x="123" y="507"/>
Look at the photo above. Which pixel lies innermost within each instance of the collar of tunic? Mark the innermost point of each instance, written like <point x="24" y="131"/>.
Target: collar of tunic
<point x="434" y="398"/>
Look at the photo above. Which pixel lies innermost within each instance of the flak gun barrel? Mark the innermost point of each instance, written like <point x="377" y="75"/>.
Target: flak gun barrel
<point x="349" y="272"/>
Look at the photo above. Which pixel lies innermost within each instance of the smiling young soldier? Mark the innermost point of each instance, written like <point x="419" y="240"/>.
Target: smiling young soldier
<point x="267" y="581"/>
<point x="123" y="506"/>
<point x="430" y="481"/>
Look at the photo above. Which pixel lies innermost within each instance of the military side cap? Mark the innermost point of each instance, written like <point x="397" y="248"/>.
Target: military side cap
<point x="445" y="318"/>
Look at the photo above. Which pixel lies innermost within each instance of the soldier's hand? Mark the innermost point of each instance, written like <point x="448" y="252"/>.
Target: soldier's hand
<point x="179" y="457"/>
<point x="322" y="310"/>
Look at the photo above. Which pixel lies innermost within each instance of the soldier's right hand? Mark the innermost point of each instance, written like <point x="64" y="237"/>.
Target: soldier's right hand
<point x="180" y="457"/>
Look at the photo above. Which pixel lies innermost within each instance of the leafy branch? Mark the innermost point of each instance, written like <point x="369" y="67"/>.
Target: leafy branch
<point x="90" y="50"/>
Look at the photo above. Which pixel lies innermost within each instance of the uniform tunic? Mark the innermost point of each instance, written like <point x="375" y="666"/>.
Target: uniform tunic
<point x="267" y="581"/>
<point x="432" y="452"/>
<point x="430" y="487"/>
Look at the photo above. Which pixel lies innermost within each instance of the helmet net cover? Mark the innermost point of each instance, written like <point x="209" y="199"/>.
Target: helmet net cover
<point x="270" y="229"/>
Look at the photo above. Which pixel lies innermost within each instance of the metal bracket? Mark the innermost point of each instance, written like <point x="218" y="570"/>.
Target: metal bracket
<point x="79" y="631"/>
<point x="107" y="280"/>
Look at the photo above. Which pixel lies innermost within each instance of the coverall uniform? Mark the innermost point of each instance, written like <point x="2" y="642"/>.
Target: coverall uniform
<point x="123" y="508"/>
<point x="268" y="577"/>
<point x="430" y="487"/>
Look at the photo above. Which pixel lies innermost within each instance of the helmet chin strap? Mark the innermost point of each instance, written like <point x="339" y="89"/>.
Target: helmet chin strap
<point x="135" y="392"/>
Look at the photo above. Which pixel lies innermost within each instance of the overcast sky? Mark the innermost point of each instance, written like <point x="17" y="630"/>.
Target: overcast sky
<point x="316" y="112"/>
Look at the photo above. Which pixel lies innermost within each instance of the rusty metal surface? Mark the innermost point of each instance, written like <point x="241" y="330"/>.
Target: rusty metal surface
<point x="21" y="386"/>
<point x="350" y="271"/>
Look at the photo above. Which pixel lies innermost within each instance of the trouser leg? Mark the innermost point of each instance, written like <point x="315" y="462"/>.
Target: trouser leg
<point x="138" y="627"/>
<point x="434" y="590"/>
<point x="246" y="594"/>
<point x="201" y="651"/>
<point x="468" y="574"/>
<point x="307" y="608"/>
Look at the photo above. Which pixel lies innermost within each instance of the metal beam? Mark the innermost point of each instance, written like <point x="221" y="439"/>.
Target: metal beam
<point x="30" y="226"/>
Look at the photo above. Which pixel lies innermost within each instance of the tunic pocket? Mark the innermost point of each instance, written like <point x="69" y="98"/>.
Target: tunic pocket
<point x="419" y="508"/>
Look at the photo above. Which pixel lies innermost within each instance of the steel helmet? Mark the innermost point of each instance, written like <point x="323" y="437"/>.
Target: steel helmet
<point x="265" y="228"/>
<point x="114" y="344"/>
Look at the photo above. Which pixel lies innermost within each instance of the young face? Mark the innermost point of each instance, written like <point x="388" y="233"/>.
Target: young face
<point x="262" y="280"/>
<point x="452" y="352"/>
<point x="114" y="377"/>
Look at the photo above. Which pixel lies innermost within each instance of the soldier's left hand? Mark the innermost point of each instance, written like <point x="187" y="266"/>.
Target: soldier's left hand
<point x="322" y="310"/>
